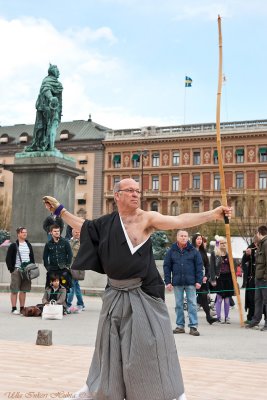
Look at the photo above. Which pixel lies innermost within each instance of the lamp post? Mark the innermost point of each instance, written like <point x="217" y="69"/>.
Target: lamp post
<point x="142" y="154"/>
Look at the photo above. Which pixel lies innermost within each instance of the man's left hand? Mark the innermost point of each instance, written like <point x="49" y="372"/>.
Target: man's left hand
<point x="222" y="211"/>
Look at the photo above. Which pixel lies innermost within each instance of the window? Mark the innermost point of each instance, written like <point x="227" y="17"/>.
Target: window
<point x="263" y="154"/>
<point x="2" y="183"/>
<point x="174" y="208"/>
<point x="216" y="204"/>
<point x="24" y="137"/>
<point x="195" y="206"/>
<point x="154" y="206"/>
<point x="155" y="183"/>
<point x="263" y="180"/>
<point x="116" y="179"/>
<point x="82" y="162"/>
<point x="238" y="208"/>
<point x="82" y="181"/>
<point x="196" y="157"/>
<point x="176" y="158"/>
<point x="4" y="138"/>
<point x="239" y="180"/>
<point x="262" y="209"/>
<point x="136" y="178"/>
<point x="239" y="155"/>
<point x="117" y="161"/>
<point x="215" y="157"/>
<point x="81" y="202"/>
<point x="217" y="182"/>
<point x="196" y="181"/>
<point x="155" y="160"/>
<point x="175" y="183"/>
<point x="136" y="160"/>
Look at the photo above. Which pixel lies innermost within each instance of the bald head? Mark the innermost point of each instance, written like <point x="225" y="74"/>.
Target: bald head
<point x="124" y="183"/>
<point x="127" y="194"/>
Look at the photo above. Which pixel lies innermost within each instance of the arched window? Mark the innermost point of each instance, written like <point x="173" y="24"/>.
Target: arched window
<point x="262" y="209"/>
<point x="81" y="213"/>
<point x="239" y="212"/>
<point x="154" y="206"/>
<point x="216" y="204"/>
<point x="174" y="208"/>
<point x="4" y="138"/>
<point x="195" y="206"/>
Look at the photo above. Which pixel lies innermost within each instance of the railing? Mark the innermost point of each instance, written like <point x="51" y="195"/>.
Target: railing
<point x="181" y="129"/>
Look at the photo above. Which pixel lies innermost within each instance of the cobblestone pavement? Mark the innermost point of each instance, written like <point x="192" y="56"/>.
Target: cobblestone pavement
<point x="225" y="362"/>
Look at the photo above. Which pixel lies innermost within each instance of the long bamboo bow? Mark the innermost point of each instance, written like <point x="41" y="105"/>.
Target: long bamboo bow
<point x="221" y="169"/>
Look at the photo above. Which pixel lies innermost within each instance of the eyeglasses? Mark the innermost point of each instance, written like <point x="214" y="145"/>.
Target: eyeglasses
<point x="131" y="191"/>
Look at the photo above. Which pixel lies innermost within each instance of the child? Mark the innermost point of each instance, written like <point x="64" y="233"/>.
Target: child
<point x="55" y="291"/>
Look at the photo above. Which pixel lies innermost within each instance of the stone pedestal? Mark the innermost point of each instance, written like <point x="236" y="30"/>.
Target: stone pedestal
<point x="35" y="177"/>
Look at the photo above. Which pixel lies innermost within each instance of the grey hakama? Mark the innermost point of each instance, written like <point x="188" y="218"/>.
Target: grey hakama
<point x="135" y="356"/>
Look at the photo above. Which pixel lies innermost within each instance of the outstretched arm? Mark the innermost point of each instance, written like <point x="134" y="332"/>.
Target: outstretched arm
<point x="165" y="222"/>
<point x="58" y="209"/>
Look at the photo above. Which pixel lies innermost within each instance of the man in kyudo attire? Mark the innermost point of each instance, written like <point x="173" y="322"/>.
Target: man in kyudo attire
<point x="135" y="355"/>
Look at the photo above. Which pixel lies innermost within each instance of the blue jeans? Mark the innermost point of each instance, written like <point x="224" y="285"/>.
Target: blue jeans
<point x="191" y="297"/>
<point x="75" y="289"/>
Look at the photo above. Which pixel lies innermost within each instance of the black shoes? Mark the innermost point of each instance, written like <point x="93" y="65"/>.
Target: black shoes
<point x="211" y="320"/>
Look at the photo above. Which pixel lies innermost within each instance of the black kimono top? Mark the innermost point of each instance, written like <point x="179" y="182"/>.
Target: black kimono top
<point x="104" y="249"/>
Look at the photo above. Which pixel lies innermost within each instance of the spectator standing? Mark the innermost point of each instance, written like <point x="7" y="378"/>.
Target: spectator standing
<point x="183" y="273"/>
<point x="260" y="278"/>
<point x="52" y="220"/>
<point x="221" y="279"/>
<point x="202" y="293"/>
<point x="18" y="253"/>
<point x="75" y="288"/>
<point x="57" y="258"/>
<point x="249" y="265"/>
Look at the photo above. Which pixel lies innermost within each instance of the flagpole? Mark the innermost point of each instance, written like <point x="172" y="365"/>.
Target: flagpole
<point x="221" y="169"/>
<point x="184" y="100"/>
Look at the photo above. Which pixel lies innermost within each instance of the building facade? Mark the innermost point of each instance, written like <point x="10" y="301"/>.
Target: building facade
<point x="177" y="166"/>
<point x="81" y="140"/>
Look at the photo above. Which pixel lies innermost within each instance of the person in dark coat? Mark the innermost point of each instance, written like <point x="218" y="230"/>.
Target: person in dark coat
<point x="183" y="273"/>
<point x="20" y="252"/>
<point x="249" y="259"/>
<point x="202" y="293"/>
<point x="126" y="364"/>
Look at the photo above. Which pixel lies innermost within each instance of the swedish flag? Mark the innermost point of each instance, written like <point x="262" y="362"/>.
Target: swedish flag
<point x="188" y="81"/>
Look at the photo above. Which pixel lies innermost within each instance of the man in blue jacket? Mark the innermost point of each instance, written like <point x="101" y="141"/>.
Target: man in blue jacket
<point x="183" y="272"/>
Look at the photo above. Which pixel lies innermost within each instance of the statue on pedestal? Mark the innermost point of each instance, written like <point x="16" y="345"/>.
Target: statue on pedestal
<point x="48" y="114"/>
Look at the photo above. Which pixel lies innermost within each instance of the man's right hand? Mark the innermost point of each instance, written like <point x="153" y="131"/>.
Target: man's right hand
<point x="51" y="203"/>
<point x="169" y="287"/>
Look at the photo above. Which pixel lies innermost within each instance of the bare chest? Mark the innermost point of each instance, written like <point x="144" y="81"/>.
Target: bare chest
<point x="135" y="232"/>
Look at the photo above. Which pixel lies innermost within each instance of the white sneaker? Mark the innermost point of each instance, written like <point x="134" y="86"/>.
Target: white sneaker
<point x="15" y="312"/>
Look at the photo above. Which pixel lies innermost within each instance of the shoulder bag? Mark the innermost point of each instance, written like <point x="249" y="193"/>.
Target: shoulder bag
<point x="28" y="270"/>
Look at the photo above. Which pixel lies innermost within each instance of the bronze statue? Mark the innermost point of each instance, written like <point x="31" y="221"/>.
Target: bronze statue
<point x="48" y="114"/>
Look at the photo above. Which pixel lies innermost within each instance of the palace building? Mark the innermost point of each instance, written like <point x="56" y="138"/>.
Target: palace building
<point x="177" y="166"/>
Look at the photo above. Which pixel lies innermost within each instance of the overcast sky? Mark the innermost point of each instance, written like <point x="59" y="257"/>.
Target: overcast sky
<point x="124" y="61"/>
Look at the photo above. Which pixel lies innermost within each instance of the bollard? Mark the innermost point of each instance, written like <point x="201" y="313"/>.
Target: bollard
<point x="44" y="337"/>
